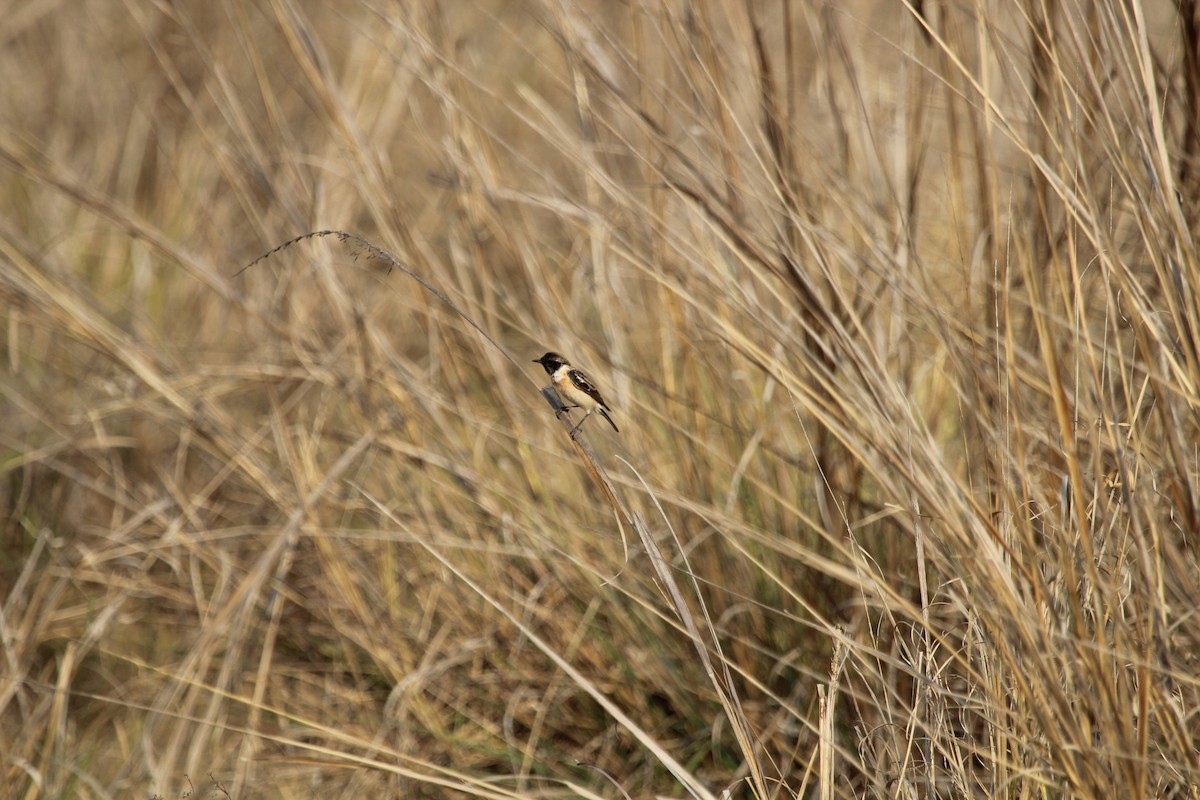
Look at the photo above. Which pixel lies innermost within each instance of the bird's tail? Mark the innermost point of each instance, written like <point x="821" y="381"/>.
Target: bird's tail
<point x="604" y="413"/>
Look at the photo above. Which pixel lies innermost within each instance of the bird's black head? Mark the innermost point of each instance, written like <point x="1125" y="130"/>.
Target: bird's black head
<point x="551" y="362"/>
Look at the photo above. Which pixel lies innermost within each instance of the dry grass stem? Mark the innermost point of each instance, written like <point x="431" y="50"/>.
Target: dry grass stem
<point x="895" y="304"/>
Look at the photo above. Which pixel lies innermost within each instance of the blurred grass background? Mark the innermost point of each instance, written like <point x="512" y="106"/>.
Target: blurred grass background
<point x="896" y="305"/>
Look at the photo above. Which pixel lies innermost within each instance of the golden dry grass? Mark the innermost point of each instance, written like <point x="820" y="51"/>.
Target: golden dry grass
<point x="896" y="305"/>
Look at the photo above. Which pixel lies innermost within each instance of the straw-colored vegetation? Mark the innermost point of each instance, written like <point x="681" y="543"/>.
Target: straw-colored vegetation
<point x="896" y="305"/>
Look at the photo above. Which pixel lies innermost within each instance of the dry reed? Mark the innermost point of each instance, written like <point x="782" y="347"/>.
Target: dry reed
<point x="896" y="304"/>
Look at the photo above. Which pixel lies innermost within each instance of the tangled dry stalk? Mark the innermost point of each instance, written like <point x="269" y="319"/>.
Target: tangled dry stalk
<point x="896" y="305"/>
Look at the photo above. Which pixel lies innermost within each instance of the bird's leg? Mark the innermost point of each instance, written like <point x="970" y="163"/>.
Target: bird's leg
<point x="558" y="412"/>
<point x="577" y="424"/>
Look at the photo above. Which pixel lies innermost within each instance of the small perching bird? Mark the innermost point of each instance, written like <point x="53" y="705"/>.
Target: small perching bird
<point x="575" y="388"/>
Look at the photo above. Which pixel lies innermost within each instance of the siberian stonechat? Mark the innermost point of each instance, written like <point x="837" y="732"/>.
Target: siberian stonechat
<point x="575" y="388"/>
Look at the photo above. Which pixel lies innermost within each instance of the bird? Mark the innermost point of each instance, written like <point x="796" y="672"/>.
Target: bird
<point x="575" y="388"/>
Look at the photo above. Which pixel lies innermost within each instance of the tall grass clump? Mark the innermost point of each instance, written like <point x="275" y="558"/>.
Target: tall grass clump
<point x="895" y="303"/>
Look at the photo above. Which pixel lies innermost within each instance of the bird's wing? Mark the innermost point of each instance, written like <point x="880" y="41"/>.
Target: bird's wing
<point x="584" y="384"/>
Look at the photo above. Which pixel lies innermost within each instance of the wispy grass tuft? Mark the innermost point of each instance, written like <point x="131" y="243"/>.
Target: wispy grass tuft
<point x="895" y="304"/>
